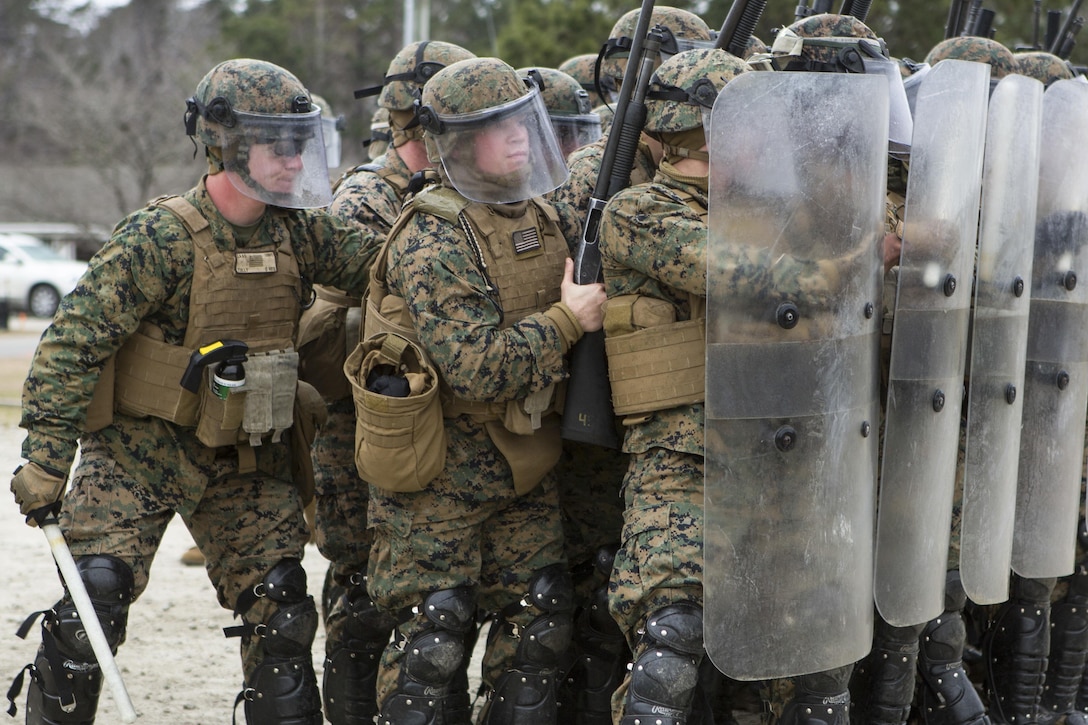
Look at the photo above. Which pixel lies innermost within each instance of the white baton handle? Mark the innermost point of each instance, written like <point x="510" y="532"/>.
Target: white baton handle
<point x="93" y="627"/>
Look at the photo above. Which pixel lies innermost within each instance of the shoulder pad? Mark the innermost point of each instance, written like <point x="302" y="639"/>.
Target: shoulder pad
<point x="440" y="201"/>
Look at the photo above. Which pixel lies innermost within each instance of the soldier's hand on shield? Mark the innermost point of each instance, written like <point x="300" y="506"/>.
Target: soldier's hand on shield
<point x="893" y="246"/>
<point x="38" y="491"/>
<point x="586" y="301"/>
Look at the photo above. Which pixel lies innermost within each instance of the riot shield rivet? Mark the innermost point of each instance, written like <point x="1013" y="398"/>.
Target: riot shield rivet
<point x="1063" y="380"/>
<point x="869" y="310"/>
<point x="784" y="438"/>
<point x="1018" y="286"/>
<point x="866" y="428"/>
<point x="950" y="285"/>
<point x="1070" y="280"/>
<point x="938" y="401"/>
<point x="1010" y="393"/>
<point x="787" y="315"/>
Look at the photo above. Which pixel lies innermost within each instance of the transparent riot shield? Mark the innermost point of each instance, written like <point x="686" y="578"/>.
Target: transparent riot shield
<point x="999" y="332"/>
<point x="929" y="343"/>
<point x="1056" y="376"/>
<point x="797" y="182"/>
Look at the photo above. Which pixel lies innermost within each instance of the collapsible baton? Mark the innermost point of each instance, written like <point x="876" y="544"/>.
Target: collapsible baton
<point x="87" y="615"/>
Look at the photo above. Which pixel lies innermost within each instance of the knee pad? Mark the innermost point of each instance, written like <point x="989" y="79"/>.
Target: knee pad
<point x="110" y="584"/>
<point x="1068" y="648"/>
<point x="283" y="691"/>
<point x="351" y="667"/>
<point x="65" y="677"/>
<point x="820" y="698"/>
<point x="665" y="672"/>
<point x="526" y="692"/>
<point x="432" y="658"/>
<point x="601" y="659"/>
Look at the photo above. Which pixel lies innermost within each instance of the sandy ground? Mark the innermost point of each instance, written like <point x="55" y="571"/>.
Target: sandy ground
<point x="178" y="667"/>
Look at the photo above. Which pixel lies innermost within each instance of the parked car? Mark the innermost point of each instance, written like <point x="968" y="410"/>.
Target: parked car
<point x="33" y="277"/>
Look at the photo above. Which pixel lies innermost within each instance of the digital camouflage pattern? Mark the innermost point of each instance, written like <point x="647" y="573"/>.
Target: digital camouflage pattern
<point x="682" y="24"/>
<point x="585" y="166"/>
<point x="473" y="85"/>
<point x="828" y="25"/>
<point x="412" y="67"/>
<point x="251" y="86"/>
<point x="380" y="137"/>
<point x="1043" y="67"/>
<point x="372" y="201"/>
<point x="134" y="475"/>
<point x="563" y="95"/>
<point x="468" y="527"/>
<point x="582" y="69"/>
<point x="980" y="50"/>
<point x="653" y="243"/>
<point x="699" y="74"/>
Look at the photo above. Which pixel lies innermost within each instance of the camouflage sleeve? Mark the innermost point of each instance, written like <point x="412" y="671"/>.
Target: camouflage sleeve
<point x="657" y="236"/>
<point x="459" y="320"/>
<point x="368" y="200"/>
<point x="576" y="191"/>
<point x="143" y="271"/>
<point x="342" y="251"/>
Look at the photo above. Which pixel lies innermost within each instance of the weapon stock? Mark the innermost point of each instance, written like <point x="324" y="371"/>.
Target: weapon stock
<point x="97" y="638"/>
<point x="588" y="416"/>
<point x="739" y="26"/>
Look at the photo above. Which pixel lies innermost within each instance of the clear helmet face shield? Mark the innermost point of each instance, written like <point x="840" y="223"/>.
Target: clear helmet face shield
<point x="330" y="130"/>
<point x="575" y="131"/>
<point x="900" y="118"/>
<point x="278" y="159"/>
<point x="911" y="84"/>
<point x="500" y="155"/>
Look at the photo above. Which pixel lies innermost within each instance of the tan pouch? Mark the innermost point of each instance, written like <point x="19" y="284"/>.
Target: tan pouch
<point x="310" y="413"/>
<point x="530" y="456"/>
<point x="148" y="379"/>
<point x="100" y="409"/>
<point x="400" y="443"/>
<point x="220" y="420"/>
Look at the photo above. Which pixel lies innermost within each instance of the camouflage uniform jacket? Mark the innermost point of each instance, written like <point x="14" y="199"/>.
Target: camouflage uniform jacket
<point x="457" y="315"/>
<point x="653" y="243"/>
<point x="372" y="194"/>
<point x="144" y="272"/>
<point x="585" y="166"/>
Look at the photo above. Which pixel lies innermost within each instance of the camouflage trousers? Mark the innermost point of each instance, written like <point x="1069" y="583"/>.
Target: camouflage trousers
<point x="467" y="528"/>
<point x="340" y="529"/>
<point x="660" y="561"/>
<point x="136" y="475"/>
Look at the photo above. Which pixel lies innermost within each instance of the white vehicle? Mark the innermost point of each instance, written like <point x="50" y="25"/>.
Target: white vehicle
<point x="33" y="277"/>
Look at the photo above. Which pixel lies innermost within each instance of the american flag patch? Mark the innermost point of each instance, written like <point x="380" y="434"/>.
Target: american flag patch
<point x="526" y="240"/>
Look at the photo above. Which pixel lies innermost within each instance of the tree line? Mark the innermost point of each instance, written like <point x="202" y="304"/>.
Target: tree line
<point x="107" y="94"/>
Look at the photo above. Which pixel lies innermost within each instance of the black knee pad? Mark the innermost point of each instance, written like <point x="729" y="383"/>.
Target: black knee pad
<point x="283" y="691"/>
<point x="351" y="667"/>
<point x="432" y="658"/>
<point x="665" y="672"/>
<point x="110" y="584"/>
<point x="882" y="687"/>
<point x="1016" y="651"/>
<point x="820" y="698"/>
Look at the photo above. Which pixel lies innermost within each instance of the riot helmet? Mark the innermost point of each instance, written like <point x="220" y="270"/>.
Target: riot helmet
<point x="1043" y="67"/>
<point x="331" y="126"/>
<point x="380" y="137"/>
<point x="408" y="72"/>
<point x="582" y="68"/>
<point x="683" y="30"/>
<point x="843" y="44"/>
<point x="262" y="129"/>
<point x="979" y="50"/>
<point x="569" y="108"/>
<point x="491" y="132"/>
<point x="681" y="96"/>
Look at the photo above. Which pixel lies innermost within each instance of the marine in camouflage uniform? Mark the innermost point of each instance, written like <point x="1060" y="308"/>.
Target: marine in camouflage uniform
<point x="653" y="249"/>
<point x="370" y="196"/>
<point x="936" y="649"/>
<point x="478" y="261"/>
<point x="1065" y="689"/>
<point x="230" y="259"/>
